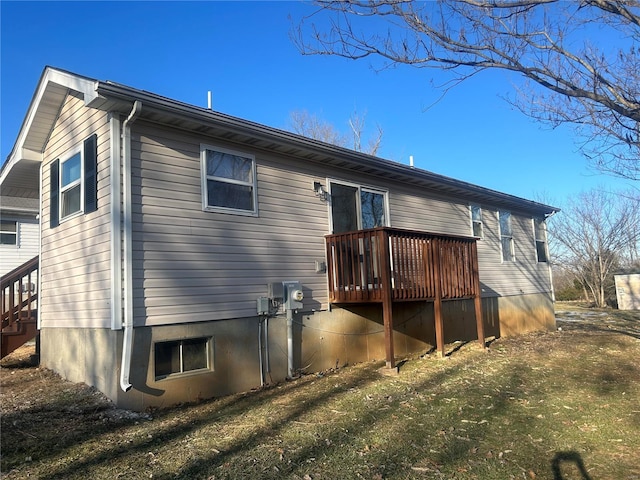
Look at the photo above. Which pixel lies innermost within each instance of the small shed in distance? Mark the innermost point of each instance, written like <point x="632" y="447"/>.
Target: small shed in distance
<point x="628" y="291"/>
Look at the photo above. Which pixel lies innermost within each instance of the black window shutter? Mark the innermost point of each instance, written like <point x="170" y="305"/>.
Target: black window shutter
<point x="54" y="194"/>
<point x="91" y="174"/>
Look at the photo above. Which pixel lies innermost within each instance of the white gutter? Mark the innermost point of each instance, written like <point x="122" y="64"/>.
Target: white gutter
<point x="116" y="227"/>
<point x="127" y="340"/>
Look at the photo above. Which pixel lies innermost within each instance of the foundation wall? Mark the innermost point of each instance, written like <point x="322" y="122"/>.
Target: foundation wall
<point x="89" y="355"/>
<point x="322" y="340"/>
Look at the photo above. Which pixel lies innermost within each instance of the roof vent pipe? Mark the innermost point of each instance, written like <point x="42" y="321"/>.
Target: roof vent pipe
<point x="209" y="100"/>
<point x="411" y="161"/>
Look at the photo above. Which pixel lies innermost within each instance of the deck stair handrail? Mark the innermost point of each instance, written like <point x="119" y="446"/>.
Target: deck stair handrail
<point x="19" y="295"/>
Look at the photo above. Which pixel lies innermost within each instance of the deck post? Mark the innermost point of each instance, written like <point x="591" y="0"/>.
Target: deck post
<point x="477" y="298"/>
<point x="436" y="258"/>
<point x="387" y="297"/>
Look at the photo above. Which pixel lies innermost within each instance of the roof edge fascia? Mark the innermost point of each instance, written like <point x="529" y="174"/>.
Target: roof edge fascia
<point x="123" y="92"/>
<point x="85" y="86"/>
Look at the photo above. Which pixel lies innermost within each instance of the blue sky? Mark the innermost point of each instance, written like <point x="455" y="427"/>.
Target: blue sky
<point x="242" y="52"/>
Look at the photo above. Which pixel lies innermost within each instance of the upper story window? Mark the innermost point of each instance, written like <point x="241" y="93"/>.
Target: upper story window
<point x="228" y="181"/>
<point x="354" y="207"/>
<point x="74" y="182"/>
<point x="8" y="232"/>
<point x="477" y="228"/>
<point x="540" y="233"/>
<point x="71" y="185"/>
<point x="506" y="236"/>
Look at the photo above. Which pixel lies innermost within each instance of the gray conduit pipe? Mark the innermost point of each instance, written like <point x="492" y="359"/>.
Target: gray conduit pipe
<point x="260" y="351"/>
<point x="290" y="342"/>
<point x="266" y="342"/>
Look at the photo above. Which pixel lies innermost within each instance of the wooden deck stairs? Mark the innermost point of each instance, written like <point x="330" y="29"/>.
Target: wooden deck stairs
<point x="19" y="319"/>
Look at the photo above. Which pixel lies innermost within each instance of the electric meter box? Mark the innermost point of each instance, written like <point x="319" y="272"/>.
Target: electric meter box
<point x="292" y="295"/>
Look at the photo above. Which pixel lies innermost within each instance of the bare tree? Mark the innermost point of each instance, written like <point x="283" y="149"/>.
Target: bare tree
<point x="357" y="125"/>
<point x="595" y="234"/>
<point x="309" y="125"/>
<point x="567" y="78"/>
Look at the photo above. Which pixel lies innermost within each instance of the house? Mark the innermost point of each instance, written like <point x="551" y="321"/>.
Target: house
<point x="19" y="228"/>
<point x="19" y="248"/>
<point x="187" y="254"/>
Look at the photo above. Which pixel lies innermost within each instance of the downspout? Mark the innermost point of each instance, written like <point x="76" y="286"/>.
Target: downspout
<point x="116" y="222"/>
<point x="127" y="340"/>
<point x="553" y="291"/>
<point x="39" y="280"/>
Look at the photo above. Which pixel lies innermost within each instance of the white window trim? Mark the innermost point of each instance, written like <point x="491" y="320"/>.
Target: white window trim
<point x="208" y="369"/>
<point x="204" y="177"/>
<point x="481" y="221"/>
<point x="535" y="240"/>
<point x="367" y="188"/>
<point x="68" y="156"/>
<point x="513" y="247"/>
<point x="16" y="233"/>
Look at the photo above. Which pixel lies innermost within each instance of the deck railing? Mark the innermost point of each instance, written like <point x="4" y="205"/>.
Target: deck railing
<point x="19" y="294"/>
<point x="387" y="265"/>
<point x="421" y="266"/>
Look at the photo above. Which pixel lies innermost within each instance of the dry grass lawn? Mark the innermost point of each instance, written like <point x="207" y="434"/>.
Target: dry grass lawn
<point x="557" y="405"/>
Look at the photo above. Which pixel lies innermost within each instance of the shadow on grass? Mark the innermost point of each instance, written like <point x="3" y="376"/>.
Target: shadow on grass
<point x="22" y="363"/>
<point x="573" y="459"/>
<point x="340" y="439"/>
<point x="457" y="348"/>
<point x="440" y="443"/>
<point x="621" y="322"/>
<point x="252" y="400"/>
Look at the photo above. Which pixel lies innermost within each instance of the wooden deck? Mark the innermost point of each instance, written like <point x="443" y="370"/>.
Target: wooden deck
<point x="386" y="265"/>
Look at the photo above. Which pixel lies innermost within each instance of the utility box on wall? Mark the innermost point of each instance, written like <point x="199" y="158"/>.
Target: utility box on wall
<point x="276" y="290"/>
<point x="292" y="295"/>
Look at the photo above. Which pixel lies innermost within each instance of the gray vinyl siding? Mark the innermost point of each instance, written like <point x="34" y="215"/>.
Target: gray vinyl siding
<point x="12" y="256"/>
<point x="75" y="257"/>
<point x="522" y="276"/>
<point x="191" y="265"/>
<point x="418" y="210"/>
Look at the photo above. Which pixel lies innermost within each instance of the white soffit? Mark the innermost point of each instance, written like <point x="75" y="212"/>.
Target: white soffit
<point x="42" y="114"/>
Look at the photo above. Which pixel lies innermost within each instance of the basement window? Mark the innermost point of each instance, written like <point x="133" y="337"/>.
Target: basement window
<point x="177" y="357"/>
